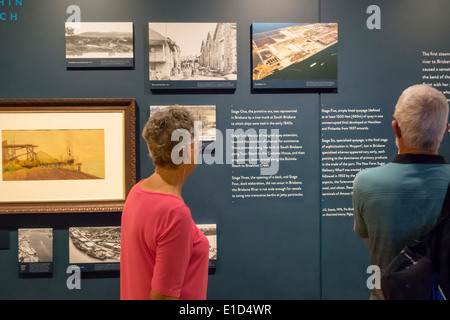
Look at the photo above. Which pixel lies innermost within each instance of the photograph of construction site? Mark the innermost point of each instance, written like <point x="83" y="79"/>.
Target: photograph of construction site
<point x="53" y="154"/>
<point x="302" y="52"/>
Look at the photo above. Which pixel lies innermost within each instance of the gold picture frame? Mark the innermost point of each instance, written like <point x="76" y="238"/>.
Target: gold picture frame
<point x="66" y="155"/>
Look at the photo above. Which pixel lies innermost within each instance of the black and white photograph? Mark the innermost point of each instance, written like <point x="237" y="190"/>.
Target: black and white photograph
<point x="94" y="245"/>
<point x="35" y="250"/>
<point x="189" y="55"/>
<point x="204" y="113"/>
<point x="99" y="44"/>
<point x="36" y="245"/>
<point x="210" y="231"/>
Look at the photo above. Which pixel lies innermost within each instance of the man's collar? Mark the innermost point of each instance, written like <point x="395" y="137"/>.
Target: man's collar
<point x="410" y="158"/>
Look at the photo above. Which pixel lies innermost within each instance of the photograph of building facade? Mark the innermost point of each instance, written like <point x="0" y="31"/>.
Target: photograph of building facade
<point x="164" y="56"/>
<point x="219" y="50"/>
<point x="192" y="51"/>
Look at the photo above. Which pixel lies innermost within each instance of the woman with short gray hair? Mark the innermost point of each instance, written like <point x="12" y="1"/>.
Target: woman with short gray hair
<point x="158" y="134"/>
<point x="163" y="253"/>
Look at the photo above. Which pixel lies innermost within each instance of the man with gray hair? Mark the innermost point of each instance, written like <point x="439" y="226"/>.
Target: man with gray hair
<point x="398" y="202"/>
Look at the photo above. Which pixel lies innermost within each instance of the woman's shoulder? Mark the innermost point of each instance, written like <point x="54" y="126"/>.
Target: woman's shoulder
<point x="155" y="200"/>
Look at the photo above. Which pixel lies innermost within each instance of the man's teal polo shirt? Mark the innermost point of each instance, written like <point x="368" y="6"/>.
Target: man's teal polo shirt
<point x="398" y="202"/>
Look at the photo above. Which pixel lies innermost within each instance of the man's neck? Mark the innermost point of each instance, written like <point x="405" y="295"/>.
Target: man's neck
<point x="414" y="151"/>
<point x="403" y="149"/>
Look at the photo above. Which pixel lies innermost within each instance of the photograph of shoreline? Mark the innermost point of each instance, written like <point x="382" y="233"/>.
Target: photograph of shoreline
<point x="53" y="154"/>
<point x="35" y="245"/>
<point x="300" y="51"/>
<point x="99" y="40"/>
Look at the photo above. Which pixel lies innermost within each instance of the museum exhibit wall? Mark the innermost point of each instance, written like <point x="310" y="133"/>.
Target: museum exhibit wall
<point x="289" y="237"/>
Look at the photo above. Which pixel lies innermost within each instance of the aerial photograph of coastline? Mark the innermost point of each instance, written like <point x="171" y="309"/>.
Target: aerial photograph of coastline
<point x="35" y="245"/>
<point x="289" y="51"/>
<point x="94" y="244"/>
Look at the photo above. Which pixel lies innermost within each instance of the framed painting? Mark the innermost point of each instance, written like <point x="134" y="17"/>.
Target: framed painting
<point x="66" y="155"/>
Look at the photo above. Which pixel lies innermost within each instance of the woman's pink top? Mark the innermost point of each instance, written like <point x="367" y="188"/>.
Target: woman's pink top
<point x="161" y="248"/>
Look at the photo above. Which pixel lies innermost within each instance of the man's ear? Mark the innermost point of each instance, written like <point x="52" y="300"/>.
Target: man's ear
<point x="396" y="129"/>
<point x="446" y="129"/>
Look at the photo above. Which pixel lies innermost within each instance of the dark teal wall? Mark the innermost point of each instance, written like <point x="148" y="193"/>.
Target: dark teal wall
<point x="267" y="249"/>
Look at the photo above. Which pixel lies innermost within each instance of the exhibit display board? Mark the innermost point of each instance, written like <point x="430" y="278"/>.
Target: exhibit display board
<point x="99" y="44"/>
<point x="292" y="103"/>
